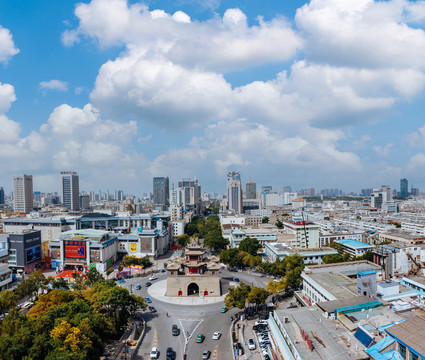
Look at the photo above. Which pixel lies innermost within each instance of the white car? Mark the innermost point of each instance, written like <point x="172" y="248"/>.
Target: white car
<point x="152" y="277"/>
<point x="261" y="322"/>
<point x="251" y="344"/>
<point x="154" y="353"/>
<point x="216" y="335"/>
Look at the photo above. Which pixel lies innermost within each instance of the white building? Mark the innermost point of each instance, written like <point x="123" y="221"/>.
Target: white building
<point x="307" y="233"/>
<point x="177" y="228"/>
<point x="273" y="199"/>
<point x="354" y="248"/>
<point x="275" y="251"/>
<point x="262" y="235"/>
<point x="23" y="194"/>
<point x="234" y="192"/>
<point x="288" y="197"/>
<point x="176" y="212"/>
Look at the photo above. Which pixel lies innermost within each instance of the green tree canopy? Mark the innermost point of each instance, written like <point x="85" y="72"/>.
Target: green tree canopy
<point x="237" y="296"/>
<point x="8" y="300"/>
<point x="183" y="240"/>
<point x="265" y="220"/>
<point x="250" y="245"/>
<point x="215" y="240"/>
<point x="257" y="295"/>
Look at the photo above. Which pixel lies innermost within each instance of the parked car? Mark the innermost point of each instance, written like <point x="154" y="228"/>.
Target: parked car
<point x="240" y="349"/>
<point x="138" y="287"/>
<point x="148" y="300"/>
<point x="251" y="344"/>
<point x="292" y="305"/>
<point x="224" y="309"/>
<point x="154" y="353"/>
<point x="216" y="335"/>
<point x="206" y="354"/>
<point x="175" y="330"/>
<point x="120" y="281"/>
<point x="152" y="309"/>
<point x="261" y="322"/>
<point x="200" y="338"/>
<point x="236" y="279"/>
<point x="148" y="284"/>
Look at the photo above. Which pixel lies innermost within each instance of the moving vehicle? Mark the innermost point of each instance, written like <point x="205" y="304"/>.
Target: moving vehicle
<point x="236" y="279"/>
<point x="206" y="354"/>
<point x="138" y="287"/>
<point x="175" y="330"/>
<point x="153" y="277"/>
<point x="200" y="338"/>
<point x="148" y="300"/>
<point x="251" y="344"/>
<point x="152" y="309"/>
<point x="148" y="284"/>
<point x="170" y="353"/>
<point x="224" y="309"/>
<point x="154" y="353"/>
<point x="120" y="281"/>
<point x="216" y="335"/>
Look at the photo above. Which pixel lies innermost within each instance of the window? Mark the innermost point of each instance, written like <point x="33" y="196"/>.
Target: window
<point x="402" y="350"/>
<point x="413" y="356"/>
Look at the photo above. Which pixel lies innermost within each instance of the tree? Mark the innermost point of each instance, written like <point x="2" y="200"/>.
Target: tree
<point x="215" y="240"/>
<point x="250" y="245"/>
<point x="8" y="300"/>
<point x="94" y="277"/>
<point x="191" y="229"/>
<point x="279" y="224"/>
<point x="145" y="262"/>
<point x="183" y="240"/>
<point x="232" y="257"/>
<point x="265" y="220"/>
<point x="26" y="287"/>
<point x="130" y="260"/>
<point x="258" y="295"/>
<point x="237" y="296"/>
<point x="274" y="287"/>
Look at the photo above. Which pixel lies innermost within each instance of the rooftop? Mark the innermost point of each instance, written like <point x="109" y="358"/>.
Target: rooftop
<point x="354" y="244"/>
<point x="88" y="234"/>
<point x="411" y="332"/>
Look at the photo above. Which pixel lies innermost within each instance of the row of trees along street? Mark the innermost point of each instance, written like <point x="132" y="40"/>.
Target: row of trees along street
<point x="64" y="323"/>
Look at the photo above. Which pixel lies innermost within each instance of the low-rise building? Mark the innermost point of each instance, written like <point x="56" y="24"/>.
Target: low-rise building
<point x="306" y="232"/>
<point x="354" y="248"/>
<point x="334" y="281"/>
<point x="328" y="238"/>
<point x="275" y="251"/>
<point x="262" y="235"/>
<point x="84" y="250"/>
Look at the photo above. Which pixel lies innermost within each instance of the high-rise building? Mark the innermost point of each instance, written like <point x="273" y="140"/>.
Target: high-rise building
<point x="85" y="201"/>
<point x="1" y="195"/>
<point x="414" y="191"/>
<point x="234" y="192"/>
<point x="404" y="188"/>
<point x="23" y="196"/>
<point x="70" y="190"/>
<point x="161" y="192"/>
<point x="188" y="195"/>
<point x="251" y="190"/>
<point x="120" y="195"/>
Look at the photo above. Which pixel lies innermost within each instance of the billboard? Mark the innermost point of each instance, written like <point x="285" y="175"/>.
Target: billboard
<point x="133" y="247"/>
<point x="33" y="254"/>
<point x="75" y="251"/>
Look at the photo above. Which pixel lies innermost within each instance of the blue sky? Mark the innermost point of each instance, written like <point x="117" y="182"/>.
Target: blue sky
<point x="324" y="94"/>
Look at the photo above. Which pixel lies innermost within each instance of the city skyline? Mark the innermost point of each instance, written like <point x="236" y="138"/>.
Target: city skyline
<point x="90" y="95"/>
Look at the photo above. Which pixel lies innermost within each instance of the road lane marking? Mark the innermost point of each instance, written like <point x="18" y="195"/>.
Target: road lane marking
<point x="215" y="353"/>
<point x="155" y="340"/>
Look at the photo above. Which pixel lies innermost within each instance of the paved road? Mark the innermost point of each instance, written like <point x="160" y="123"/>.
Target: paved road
<point x="191" y="320"/>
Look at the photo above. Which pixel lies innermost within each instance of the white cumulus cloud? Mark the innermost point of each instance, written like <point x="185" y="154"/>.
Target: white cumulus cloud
<point x="7" y="46"/>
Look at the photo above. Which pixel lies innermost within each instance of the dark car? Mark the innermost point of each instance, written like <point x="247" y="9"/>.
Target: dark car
<point x="175" y="330"/>
<point x="240" y="349"/>
<point x="171" y="355"/>
<point x="152" y="309"/>
<point x="148" y="284"/>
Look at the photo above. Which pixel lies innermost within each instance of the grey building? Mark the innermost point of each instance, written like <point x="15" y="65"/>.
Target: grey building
<point x="70" y="190"/>
<point x="1" y="195"/>
<point x="85" y="201"/>
<point x="251" y="190"/>
<point x="161" y="192"/>
<point x="25" y="250"/>
<point x="404" y="188"/>
<point x="23" y="196"/>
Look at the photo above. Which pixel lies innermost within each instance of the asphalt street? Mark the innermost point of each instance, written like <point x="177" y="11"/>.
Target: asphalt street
<point x="191" y="320"/>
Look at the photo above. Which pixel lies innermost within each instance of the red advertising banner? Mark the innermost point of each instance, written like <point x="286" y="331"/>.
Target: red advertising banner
<point x="73" y="251"/>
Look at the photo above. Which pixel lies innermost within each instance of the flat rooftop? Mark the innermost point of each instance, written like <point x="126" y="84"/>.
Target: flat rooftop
<point x="338" y="285"/>
<point x="354" y="244"/>
<point x="338" y="341"/>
